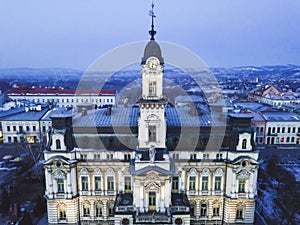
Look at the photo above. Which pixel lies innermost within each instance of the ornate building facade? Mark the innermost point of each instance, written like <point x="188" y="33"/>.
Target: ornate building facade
<point x="137" y="166"/>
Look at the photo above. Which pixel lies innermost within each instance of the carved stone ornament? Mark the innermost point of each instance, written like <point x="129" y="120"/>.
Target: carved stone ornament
<point x="84" y="171"/>
<point x="59" y="174"/>
<point x="193" y="171"/>
<point x="110" y="172"/>
<point x="97" y="172"/>
<point x="126" y="171"/>
<point x="219" y="172"/>
<point x="243" y="174"/>
<point x="205" y="171"/>
<point x="152" y="186"/>
<point x="152" y="177"/>
<point x="152" y="117"/>
<point x="178" y="171"/>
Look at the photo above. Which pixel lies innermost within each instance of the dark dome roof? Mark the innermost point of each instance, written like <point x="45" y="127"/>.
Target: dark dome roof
<point x="152" y="49"/>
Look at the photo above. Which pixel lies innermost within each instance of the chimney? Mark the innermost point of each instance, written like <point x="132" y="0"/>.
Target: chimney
<point x="83" y="112"/>
<point x="108" y="111"/>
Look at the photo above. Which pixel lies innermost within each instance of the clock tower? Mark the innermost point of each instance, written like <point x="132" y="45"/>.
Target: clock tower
<point x="152" y="120"/>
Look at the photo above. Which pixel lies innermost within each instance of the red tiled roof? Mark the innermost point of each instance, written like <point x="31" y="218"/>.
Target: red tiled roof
<point x="56" y="91"/>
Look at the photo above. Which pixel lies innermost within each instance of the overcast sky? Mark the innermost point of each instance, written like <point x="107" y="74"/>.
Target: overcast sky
<point x="73" y="33"/>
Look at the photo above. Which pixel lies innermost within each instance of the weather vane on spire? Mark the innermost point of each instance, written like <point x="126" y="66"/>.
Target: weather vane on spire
<point x="152" y="32"/>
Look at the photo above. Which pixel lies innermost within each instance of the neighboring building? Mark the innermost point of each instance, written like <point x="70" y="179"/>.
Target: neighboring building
<point x="272" y="96"/>
<point x="148" y="164"/>
<point x="24" y="125"/>
<point x="62" y="97"/>
<point x="282" y="128"/>
<point x="183" y="100"/>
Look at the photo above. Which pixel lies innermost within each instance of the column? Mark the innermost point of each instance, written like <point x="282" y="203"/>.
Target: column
<point x="147" y="201"/>
<point x="182" y="180"/>
<point x="121" y="181"/>
<point x="142" y="196"/>
<point x="69" y="185"/>
<point x="157" y="203"/>
<point x="197" y="209"/>
<point x="133" y="191"/>
<point x="50" y="185"/>
<point x="162" y="204"/>
<point x="105" y="212"/>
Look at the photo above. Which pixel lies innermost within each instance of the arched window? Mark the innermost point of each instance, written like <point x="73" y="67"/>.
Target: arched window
<point x="86" y="209"/>
<point x="111" y="209"/>
<point x="244" y="144"/>
<point x="203" y="210"/>
<point x="62" y="215"/>
<point x="239" y="212"/>
<point x="98" y="209"/>
<point x="58" y="145"/>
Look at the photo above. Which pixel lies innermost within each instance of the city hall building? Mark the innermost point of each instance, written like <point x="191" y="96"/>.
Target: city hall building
<point x="150" y="163"/>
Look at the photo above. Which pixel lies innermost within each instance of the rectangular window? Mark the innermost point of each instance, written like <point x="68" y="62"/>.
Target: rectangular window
<point x="34" y="128"/>
<point x="60" y="186"/>
<point x="203" y="210"/>
<point x="44" y="129"/>
<point x="261" y="129"/>
<point x="242" y="184"/>
<point x="8" y="128"/>
<point x="84" y="183"/>
<point x="175" y="184"/>
<point x="205" y="156"/>
<point x="289" y="130"/>
<point x="62" y="214"/>
<point x="193" y="156"/>
<point x="192" y="183"/>
<point x="152" y="133"/>
<point x="110" y="183"/>
<point x="127" y="156"/>
<point x="294" y="129"/>
<point x="283" y="130"/>
<point x="205" y="183"/>
<point x="14" y="128"/>
<point x="97" y="183"/>
<point x="98" y="210"/>
<point x="86" y="210"/>
<point x="239" y="213"/>
<point x="127" y="184"/>
<point x="217" y="183"/>
<point x="216" y="211"/>
<point x="152" y="88"/>
<point x="20" y="129"/>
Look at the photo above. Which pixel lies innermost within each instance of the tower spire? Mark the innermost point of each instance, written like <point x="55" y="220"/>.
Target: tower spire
<point x="152" y="32"/>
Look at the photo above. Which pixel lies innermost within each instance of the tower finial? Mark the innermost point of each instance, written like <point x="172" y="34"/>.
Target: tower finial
<point x="152" y="32"/>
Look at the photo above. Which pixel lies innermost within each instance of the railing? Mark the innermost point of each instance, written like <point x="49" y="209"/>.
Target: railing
<point x="124" y="209"/>
<point x="180" y="209"/>
<point x="153" y="218"/>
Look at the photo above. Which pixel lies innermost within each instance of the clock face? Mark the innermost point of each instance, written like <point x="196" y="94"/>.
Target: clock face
<point x="153" y="63"/>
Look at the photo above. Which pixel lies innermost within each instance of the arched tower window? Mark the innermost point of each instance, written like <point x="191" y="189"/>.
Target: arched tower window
<point x="58" y="144"/>
<point x="244" y="144"/>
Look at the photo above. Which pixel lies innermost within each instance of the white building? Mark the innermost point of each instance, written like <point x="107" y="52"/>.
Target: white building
<point x="137" y="166"/>
<point x="62" y="97"/>
<point x="282" y="128"/>
<point x="23" y="126"/>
